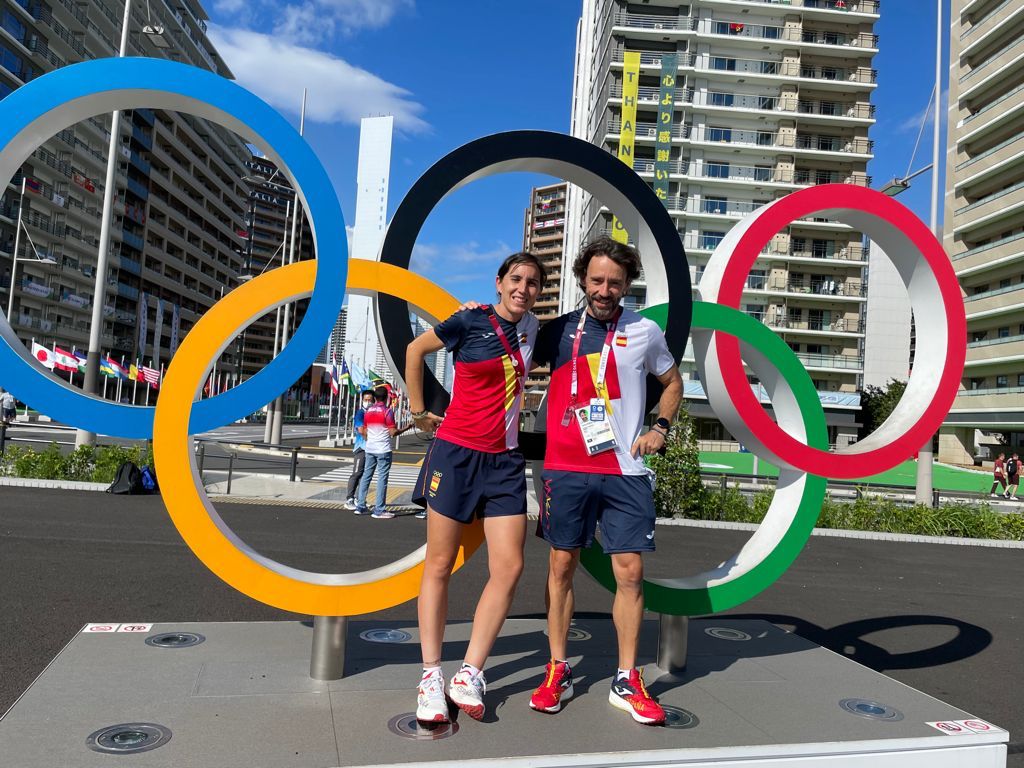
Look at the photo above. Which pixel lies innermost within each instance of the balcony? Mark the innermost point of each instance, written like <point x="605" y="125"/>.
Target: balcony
<point x="975" y="297"/>
<point x="139" y="190"/>
<point x="839" y="325"/>
<point x="998" y="205"/>
<point x="653" y="58"/>
<point x="829" y="287"/>
<point x="820" y="143"/>
<point x="1002" y="248"/>
<point x="1004" y="349"/>
<point x="132" y="240"/>
<point x="991" y="160"/>
<point x="814" y="177"/>
<point x="655" y="22"/>
<point x="857" y="111"/>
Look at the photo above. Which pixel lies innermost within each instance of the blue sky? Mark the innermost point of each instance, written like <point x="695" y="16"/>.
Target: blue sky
<point x="455" y="71"/>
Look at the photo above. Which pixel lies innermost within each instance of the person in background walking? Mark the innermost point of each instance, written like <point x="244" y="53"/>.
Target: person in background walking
<point x="998" y="475"/>
<point x="358" y="450"/>
<point x="1012" y="477"/>
<point x="380" y="427"/>
<point x="7" y="407"/>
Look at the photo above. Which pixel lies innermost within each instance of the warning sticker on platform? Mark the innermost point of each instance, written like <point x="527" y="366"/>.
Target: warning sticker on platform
<point x="978" y="726"/>
<point x="91" y="629"/>
<point x="950" y="727"/>
<point x="135" y="628"/>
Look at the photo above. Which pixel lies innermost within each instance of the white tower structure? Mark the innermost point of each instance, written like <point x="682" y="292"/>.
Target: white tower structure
<point x="361" y="344"/>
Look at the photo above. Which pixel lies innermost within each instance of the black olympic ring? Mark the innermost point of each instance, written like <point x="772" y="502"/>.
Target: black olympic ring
<point x="610" y="180"/>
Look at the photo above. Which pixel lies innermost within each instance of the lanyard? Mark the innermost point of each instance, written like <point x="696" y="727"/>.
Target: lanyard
<point x="505" y="343"/>
<point x="602" y="367"/>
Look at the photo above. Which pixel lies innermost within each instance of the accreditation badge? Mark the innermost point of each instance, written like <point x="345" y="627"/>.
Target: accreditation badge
<point x="595" y="426"/>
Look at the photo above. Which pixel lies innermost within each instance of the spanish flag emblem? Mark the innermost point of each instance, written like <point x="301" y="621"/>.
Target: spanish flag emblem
<point x="435" y="481"/>
<point x="620" y="340"/>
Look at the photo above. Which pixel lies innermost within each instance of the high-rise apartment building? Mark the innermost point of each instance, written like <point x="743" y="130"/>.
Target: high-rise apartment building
<point x="984" y="223"/>
<point x="179" y="225"/>
<point x="270" y="225"/>
<point x="724" y="106"/>
<point x="544" y="235"/>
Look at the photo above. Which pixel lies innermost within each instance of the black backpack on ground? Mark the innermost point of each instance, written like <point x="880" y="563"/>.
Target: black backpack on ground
<point x="127" y="479"/>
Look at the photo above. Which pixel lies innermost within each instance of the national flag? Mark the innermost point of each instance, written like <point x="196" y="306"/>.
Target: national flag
<point x="620" y="339"/>
<point x="134" y="374"/>
<point x="206" y="386"/>
<point x="116" y="368"/>
<point x="335" y="386"/>
<point x="81" y="360"/>
<point x="344" y="377"/>
<point x="151" y="376"/>
<point x="106" y="370"/>
<point x="64" y="361"/>
<point x="33" y="185"/>
<point x="43" y="355"/>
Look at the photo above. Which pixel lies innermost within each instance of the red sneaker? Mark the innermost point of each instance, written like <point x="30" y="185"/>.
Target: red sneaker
<point x="630" y="694"/>
<point x="556" y="688"/>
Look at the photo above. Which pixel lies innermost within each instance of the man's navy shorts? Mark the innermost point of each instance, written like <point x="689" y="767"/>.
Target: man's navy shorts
<point x="462" y="483"/>
<point x="575" y="502"/>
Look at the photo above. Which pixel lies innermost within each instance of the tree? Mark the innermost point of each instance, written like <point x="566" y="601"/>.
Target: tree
<point x="678" y="488"/>
<point x="878" y="402"/>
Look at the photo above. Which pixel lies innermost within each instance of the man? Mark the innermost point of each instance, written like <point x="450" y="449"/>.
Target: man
<point x="1012" y="477"/>
<point x="358" y="451"/>
<point x="7" y="407"/>
<point x="998" y="474"/>
<point x="379" y="427"/>
<point x="593" y="470"/>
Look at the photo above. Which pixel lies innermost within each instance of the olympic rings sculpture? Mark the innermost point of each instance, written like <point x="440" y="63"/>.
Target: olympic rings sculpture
<point x="724" y="338"/>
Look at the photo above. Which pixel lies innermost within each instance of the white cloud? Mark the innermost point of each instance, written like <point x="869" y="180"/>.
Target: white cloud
<point x="339" y="92"/>
<point x="312" y="21"/>
<point x="470" y="260"/>
<point x="927" y="114"/>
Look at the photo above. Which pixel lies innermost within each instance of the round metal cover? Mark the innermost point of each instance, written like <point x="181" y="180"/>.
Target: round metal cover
<point x="576" y="634"/>
<point x="681" y="719"/>
<point x="128" y="738"/>
<point x="408" y="727"/>
<point x="175" y="640"/>
<point x="725" y="633"/>
<point x="873" y="710"/>
<point x="385" y="636"/>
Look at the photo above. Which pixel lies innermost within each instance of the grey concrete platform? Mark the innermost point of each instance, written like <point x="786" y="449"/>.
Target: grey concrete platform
<point x="751" y="693"/>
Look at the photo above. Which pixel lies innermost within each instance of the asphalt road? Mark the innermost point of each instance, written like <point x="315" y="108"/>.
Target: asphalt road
<point x="943" y="619"/>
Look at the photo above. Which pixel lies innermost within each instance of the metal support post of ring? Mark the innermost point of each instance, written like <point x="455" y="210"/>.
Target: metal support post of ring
<point x="327" y="659"/>
<point x="672" y="640"/>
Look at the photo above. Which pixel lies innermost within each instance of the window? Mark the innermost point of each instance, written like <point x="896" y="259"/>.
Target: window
<point x="1001" y="382"/>
<point x="771" y="33"/>
<point x="762" y="173"/>
<point x="766" y="102"/>
<point x="720" y="134"/>
<point x="715" y="204"/>
<point x="818" y="319"/>
<point x="822" y="249"/>
<point x="769" y="67"/>
<point x="14" y="26"/>
<point x="722" y="63"/>
<point x="717" y="170"/>
<point x="719" y="99"/>
<point x="1020" y="379"/>
<point x="756" y="279"/>
<point x="1004" y="283"/>
<point x="977" y="383"/>
<point x="710" y="240"/>
<point x="1004" y="332"/>
<point x="756" y="311"/>
<point x="979" y="336"/>
<point x="765" y="138"/>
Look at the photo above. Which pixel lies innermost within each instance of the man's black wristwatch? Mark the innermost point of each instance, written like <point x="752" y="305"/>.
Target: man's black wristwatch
<point x="664" y="425"/>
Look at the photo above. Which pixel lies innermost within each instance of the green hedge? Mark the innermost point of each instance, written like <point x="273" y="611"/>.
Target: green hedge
<point x="974" y="521"/>
<point x="86" y="463"/>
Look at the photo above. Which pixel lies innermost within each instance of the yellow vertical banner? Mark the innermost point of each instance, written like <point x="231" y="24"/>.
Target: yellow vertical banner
<point x="627" y="132"/>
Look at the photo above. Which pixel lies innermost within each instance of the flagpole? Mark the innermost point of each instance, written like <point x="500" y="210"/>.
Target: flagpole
<point x="135" y="382"/>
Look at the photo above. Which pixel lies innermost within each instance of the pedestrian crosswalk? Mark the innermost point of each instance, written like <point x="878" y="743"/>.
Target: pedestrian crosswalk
<point x="402" y="475"/>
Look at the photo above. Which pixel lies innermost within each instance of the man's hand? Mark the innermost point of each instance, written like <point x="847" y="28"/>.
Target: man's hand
<point x="428" y="422"/>
<point x="650" y="442"/>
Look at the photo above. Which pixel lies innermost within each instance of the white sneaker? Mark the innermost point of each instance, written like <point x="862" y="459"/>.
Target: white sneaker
<point x="431" y="705"/>
<point x="467" y="691"/>
<point x="351" y="503"/>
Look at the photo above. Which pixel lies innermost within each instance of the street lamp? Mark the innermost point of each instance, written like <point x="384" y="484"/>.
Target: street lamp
<point x="92" y="360"/>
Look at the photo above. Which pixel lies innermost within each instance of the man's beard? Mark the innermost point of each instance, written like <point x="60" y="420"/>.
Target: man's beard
<point x="602" y="313"/>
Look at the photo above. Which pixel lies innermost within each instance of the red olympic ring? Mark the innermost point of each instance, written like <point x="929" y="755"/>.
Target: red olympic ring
<point x="850" y="463"/>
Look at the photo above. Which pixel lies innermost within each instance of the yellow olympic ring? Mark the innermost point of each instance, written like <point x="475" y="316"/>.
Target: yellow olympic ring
<point x="214" y="543"/>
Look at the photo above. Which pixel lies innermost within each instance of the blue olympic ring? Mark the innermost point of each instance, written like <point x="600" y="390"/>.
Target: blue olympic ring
<point x="58" y="100"/>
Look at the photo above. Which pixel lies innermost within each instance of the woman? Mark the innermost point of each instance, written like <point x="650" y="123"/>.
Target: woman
<point x="474" y="469"/>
